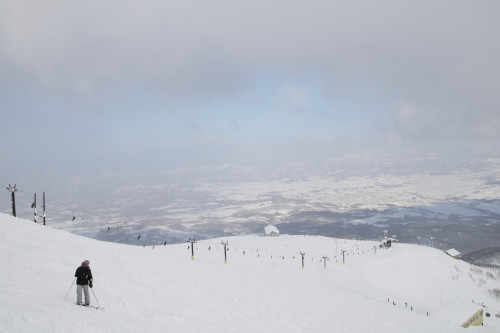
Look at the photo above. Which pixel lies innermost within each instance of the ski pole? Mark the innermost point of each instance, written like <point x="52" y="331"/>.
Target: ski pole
<point x="95" y="297"/>
<point x="69" y="289"/>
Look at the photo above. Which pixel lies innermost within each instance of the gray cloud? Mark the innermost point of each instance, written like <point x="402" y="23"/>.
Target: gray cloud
<point x="429" y="67"/>
<point x="393" y="50"/>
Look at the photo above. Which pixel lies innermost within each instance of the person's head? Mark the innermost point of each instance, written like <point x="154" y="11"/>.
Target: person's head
<point x="85" y="263"/>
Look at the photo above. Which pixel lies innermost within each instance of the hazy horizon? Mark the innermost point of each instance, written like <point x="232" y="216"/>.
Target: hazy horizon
<point x="90" y="88"/>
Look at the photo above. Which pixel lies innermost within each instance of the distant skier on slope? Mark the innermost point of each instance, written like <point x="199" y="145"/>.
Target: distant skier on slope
<point x="83" y="281"/>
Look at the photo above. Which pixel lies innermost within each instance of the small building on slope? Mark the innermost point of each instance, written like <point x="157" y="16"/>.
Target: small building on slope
<point x="454" y="253"/>
<point x="461" y="312"/>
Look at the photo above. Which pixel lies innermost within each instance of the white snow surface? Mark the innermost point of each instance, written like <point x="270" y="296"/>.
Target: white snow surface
<point x="262" y="288"/>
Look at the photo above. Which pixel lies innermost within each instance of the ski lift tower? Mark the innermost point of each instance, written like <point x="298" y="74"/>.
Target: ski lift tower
<point x="325" y="258"/>
<point x="192" y="241"/>
<point x="12" y="190"/>
<point x="225" y="251"/>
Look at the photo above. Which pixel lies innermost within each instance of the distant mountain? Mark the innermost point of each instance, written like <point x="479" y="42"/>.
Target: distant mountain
<point x="485" y="258"/>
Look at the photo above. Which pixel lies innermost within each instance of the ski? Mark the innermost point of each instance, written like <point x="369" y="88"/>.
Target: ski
<point x="92" y="306"/>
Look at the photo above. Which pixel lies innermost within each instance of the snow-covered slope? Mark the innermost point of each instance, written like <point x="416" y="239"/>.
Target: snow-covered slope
<point x="262" y="288"/>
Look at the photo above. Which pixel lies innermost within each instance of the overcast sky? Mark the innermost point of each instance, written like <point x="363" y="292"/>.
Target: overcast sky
<point x="118" y="86"/>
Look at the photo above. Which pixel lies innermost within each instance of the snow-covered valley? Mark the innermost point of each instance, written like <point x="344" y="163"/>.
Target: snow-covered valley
<point x="444" y="207"/>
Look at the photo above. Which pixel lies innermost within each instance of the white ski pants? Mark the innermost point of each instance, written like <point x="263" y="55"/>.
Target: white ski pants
<point x="85" y="288"/>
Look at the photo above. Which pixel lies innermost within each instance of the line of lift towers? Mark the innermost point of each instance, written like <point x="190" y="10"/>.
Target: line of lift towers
<point x="13" y="190"/>
<point x="386" y="242"/>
